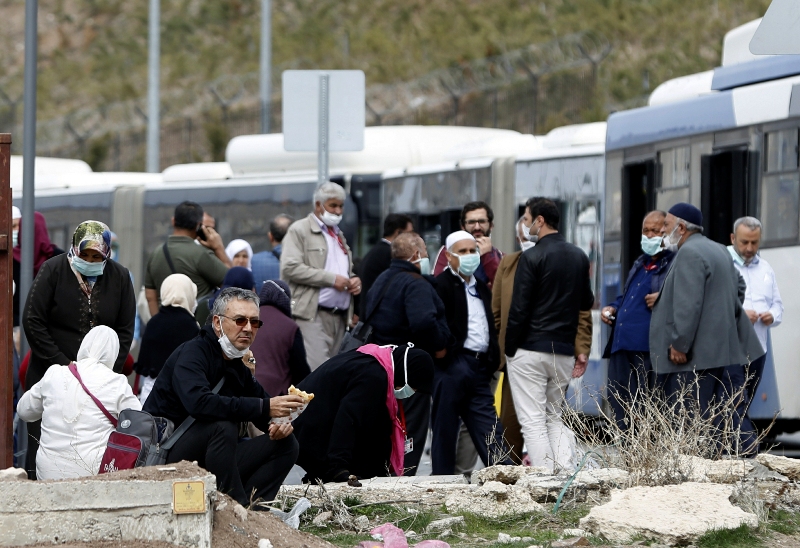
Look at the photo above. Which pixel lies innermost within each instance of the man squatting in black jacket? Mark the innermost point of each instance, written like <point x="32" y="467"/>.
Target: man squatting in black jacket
<point x="250" y="469"/>
<point x="403" y="307"/>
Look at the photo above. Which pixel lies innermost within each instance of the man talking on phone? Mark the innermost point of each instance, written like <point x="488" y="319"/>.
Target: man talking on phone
<point x="204" y="264"/>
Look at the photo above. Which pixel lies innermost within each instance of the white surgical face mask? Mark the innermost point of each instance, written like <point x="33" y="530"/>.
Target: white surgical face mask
<point x="526" y="231"/>
<point x="526" y="246"/>
<point x="330" y="219"/>
<point x="227" y="346"/>
<point x="424" y="265"/>
<point x="406" y="391"/>
<point x="670" y="242"/>
<point x="15" y="238"/>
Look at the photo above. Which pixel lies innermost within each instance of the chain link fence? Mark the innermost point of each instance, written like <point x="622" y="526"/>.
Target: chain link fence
<point x="533" y="89"/>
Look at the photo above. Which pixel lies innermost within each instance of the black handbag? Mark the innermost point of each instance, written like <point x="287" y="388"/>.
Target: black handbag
<point x="361" y="334"/>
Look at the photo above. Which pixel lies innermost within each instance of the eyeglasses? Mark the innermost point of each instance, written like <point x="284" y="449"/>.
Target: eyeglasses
<point x="472" y="222"/>
<point x="241" y="321"/>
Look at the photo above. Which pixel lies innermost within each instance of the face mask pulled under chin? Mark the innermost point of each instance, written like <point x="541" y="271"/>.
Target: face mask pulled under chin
<point x="330" y="219"/>
<point x="228" y="349"/>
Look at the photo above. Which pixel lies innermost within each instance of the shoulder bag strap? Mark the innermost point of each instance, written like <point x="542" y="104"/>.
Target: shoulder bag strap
<point x="380" y="297"/>
<point x="187" y="423"/>
<point x="74" y="370"/>
<point x="168" y="257"/>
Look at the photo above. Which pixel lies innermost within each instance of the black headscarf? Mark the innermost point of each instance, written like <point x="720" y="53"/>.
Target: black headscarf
<point x="276" y="293"/>
<point x="420" y="369"/>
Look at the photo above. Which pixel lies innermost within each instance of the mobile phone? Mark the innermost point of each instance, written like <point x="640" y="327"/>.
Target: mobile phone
<point x="201" y="233"/>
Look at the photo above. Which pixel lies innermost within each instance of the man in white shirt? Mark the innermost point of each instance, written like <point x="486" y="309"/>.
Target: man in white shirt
<point x="317" y="263"/>
<point x="461" y="379"/>
<point x="762" y="301"/>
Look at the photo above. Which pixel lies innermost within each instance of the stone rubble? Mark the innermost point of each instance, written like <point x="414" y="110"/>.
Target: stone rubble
<point x="493" y="500"/>
<point x="674" y="514"/>
<point x="443" y="524"/>
<point x="13" y="474"/>
<point x="570" y="542"/>
<point x="782" y="465"/>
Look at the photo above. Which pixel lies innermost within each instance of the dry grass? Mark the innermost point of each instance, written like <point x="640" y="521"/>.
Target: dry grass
<point x="661" y="431"/>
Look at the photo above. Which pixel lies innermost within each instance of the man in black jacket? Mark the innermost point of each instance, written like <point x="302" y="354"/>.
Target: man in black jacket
<point x="254" y="468"/>
<point x="405" y="308"/>
<point x="551" y="287"/>
<point x="461" y="380"/>
<point x="378" y="259"/>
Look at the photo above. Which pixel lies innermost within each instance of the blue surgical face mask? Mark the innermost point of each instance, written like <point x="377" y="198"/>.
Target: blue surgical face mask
<point x="406" y="391"/>
<point x="424" y="265"/>
<point x="468" y="264"/>
<point x="651" y="246"/>
<point x="88" y="269"/>
<point x="15" y="238"/>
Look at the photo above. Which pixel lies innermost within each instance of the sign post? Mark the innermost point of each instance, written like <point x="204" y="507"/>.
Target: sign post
<point x="323" y="112"/>
<point x="322" y="147"/>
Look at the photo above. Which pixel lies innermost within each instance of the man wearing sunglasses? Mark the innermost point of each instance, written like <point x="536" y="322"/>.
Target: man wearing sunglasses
<point x="249" y="470"/>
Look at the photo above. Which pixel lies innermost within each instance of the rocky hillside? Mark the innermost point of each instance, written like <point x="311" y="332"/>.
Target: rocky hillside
<point x="93" y="52"/>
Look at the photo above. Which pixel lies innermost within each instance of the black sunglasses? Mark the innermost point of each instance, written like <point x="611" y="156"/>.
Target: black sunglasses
<point x="241" y="321"/>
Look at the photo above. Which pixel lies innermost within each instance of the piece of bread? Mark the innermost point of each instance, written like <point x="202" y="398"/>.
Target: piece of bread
<point x="305" y="395"/>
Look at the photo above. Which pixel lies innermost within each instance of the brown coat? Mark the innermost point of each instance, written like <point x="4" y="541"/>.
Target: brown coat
<point x="502" y="292"/>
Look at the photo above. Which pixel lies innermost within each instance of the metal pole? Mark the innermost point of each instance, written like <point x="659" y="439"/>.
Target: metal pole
<point x="322" y="147"/>
<point x="153" y="84"/>
<point x="266" y="64"/>
<point x="28" y="158"/>
<point x="6" y="306"/>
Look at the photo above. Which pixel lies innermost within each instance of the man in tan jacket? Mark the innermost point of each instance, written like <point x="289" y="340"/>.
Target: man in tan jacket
<point x="318" y="265"/>
<point x="501" y="301"/>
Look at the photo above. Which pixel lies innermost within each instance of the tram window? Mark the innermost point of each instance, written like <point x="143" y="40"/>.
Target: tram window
<point x="780" y="198"/>
<point x="782" y="150"/>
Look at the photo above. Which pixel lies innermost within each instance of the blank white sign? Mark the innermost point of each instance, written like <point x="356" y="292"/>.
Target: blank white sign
<point x="779" y="31"/>
<point x="346" y="114"/>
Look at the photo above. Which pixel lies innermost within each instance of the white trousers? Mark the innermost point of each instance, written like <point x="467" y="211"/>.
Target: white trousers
<point x="539" y="384"/>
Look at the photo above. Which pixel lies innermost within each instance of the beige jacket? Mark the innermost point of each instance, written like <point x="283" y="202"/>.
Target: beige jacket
<point x="303" y="258"/>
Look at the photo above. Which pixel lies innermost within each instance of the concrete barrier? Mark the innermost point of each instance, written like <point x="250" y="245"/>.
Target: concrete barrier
<point x="124" y="506"/>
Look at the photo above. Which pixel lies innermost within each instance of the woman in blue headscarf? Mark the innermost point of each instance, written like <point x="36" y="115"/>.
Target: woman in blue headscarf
<point x="71" y="294"/>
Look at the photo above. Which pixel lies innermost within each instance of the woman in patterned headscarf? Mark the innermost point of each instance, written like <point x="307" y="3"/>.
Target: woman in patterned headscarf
<point x="72" y="294"/>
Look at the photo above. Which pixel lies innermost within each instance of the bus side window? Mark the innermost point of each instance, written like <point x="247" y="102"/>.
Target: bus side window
<point x="780" y="198"/>
<point x="780" y="190"/>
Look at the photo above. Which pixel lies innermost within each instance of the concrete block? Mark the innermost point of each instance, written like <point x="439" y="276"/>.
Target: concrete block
<point x="110" y="507"/>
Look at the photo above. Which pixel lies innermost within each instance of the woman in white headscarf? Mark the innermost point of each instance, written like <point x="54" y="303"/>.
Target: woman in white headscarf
<point x="74" y="429"/>
<point x="173" y="325"/>
<point x="240" y="253"/>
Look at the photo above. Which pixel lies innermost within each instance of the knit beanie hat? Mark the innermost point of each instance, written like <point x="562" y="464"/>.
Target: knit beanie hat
<point x="276" y="293"/>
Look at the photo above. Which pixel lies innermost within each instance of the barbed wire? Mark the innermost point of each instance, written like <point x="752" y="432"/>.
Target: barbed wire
<point x="384" y="101"/>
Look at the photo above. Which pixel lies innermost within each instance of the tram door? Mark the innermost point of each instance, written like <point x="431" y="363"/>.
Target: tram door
<point x="729" y="189"/>
<point x="638" y="197"/>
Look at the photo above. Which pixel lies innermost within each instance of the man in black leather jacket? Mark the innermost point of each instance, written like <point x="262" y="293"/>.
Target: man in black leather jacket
<point x="551" y="287"/>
